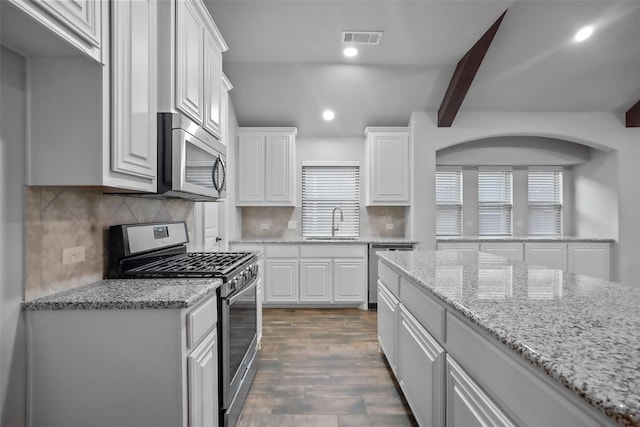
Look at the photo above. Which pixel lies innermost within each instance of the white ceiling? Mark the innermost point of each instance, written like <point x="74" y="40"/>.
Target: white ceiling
<point x="286" y="66"/>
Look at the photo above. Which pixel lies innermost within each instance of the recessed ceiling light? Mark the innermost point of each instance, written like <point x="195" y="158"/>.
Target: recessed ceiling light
<point x="583" y="34"/>
<point x="328" y="115"/>
<point x="350" y="52"/>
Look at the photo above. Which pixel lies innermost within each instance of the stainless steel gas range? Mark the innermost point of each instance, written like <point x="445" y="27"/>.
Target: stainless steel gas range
<point x="159" y="250"/>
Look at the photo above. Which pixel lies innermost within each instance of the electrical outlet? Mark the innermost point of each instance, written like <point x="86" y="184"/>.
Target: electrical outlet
<point x="292" y="224"/>
<point x="73" y="255"/>
<point x="390" y="226"/>
<point x="264" y="226"/>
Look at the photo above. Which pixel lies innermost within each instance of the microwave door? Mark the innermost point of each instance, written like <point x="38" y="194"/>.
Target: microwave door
<point x="193" y="166"/>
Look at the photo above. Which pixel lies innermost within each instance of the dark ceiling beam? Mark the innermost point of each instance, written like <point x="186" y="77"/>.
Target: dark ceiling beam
<point x="463" y="76"/>
<point x="633" y="116"/>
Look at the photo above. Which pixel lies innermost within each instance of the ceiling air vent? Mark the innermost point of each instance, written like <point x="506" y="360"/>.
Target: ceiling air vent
<point x="361" y="37"/>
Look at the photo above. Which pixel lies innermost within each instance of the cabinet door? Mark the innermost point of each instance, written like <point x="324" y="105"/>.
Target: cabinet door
<point x="421" y="363"/>
<point x="590" y="259"/>
<point x="349" y="280"/>
<point x="389" y="169"/>
<point x="280" y="178"/>
<point x="315" y="281"/>
<point x="81" y="16"/>
<point x="282" y="281"/>
<point x="552" y="255"/>
<point x="202" y="365"/>
<point x="212" y="85"/>
<point x="513" y="251"/>
<point x="134" y="88"/>
<point x="189" y="60"/>
<point x="467" y="404"/>
<point x="388" y="318"/>
<point x="250" y="169"/>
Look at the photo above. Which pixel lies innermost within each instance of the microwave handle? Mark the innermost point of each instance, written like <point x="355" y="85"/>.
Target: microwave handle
<point x="219" y="163"/>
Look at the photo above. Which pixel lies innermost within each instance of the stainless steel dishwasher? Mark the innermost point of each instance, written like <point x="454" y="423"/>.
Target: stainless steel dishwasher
<point x="373" y="266"/>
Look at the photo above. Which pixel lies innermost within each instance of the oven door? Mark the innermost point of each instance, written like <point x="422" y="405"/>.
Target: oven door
<point x="197" y="168"/>
<point x="239" y="327"/>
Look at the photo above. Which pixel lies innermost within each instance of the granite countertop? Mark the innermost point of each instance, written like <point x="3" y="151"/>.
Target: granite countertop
<point x="583" y="332"/>
<point x="128" y="294"/>
<point x="302" y="240"/>
<point x="488" y="239"/>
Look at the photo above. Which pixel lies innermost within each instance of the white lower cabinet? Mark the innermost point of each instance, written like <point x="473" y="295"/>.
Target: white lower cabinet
<point x="421" y="363"/>
<point x="388" y="318"/>
<point x="315" y="274"/>
<point x="590" y="259"/>
<point x="202" y="366"/>
<point x="123" y="367"/>
<point x="467" y="404"/>
<point x="552" y="255"/>
<point x="281" y="280"/>
<point x="315" y="280"/>
<point x="348" y="277"/>
<point x="513" y="251"/>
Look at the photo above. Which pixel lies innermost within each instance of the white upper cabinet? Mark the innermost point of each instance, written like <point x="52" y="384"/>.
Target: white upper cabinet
<point x="212" y="85"/>
<point x="79" y="24"/>
<point x="266" y="166"/>
<point x="134" y="80"/>
<point x="94" y="124"/>
<point x="191" y="63"/>
<point x="190" y="60"/>
<point x="388" y="167"/>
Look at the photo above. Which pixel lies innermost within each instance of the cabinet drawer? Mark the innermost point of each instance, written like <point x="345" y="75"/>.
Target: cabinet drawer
<point x="422" y="307"/>
<point x="281" y="251"/>
<point x="536" y="403"/>
<point x="390" y="278"/>
<point x="333" y="251"/>
<point x="201" y="320"/>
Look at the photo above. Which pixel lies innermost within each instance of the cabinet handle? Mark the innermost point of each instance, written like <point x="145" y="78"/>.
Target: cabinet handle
<point x="219" y="163"/>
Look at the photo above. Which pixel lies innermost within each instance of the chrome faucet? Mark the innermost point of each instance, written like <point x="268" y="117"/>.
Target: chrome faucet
<point x="334" y="227"/>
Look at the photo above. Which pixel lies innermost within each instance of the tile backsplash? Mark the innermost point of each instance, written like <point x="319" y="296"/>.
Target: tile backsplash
<point x="272" y="222"/>
<point x="57" y="218"/>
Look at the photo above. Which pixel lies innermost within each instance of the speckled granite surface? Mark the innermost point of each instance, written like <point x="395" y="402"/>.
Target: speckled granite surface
<point x="302" y="240"/>
<point x="488" y="239"/>
<point x="128" y="294"/>
<point x="583" y="332"/>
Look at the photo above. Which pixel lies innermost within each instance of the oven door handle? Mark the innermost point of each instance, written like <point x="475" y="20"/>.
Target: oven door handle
<point x="242" y="291"/>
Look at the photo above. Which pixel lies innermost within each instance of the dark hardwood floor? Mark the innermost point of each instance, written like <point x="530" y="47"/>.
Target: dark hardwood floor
<point x="321" y="367"/>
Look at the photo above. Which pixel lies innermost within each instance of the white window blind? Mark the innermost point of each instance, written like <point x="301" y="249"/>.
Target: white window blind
<point x="448" y="202"/>
<point x="545" y="202"/>
<point x="324" y="188"/>
<point x="495" y="202"/>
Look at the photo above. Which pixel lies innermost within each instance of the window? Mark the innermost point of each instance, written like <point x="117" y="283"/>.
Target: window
<point x="324" y="187"/>
<point x="495" y="202"/>
<point x="449" y="202"/>
<point x="545" y="201"/>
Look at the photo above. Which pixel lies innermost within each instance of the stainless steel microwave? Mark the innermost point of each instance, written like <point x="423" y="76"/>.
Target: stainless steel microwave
<point x="191" y="162"/>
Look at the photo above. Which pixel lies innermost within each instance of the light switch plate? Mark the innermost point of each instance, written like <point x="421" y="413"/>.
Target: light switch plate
<point x="264" y="226"/>
<point x="390" y="226"/>
<point x="292" y="224"/>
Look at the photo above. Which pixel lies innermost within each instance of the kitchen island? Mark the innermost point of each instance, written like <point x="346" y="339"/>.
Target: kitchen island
<point x="507" y="342"/>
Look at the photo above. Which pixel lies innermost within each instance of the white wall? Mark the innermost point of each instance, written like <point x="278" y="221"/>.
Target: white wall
<point x="596" y="199"/>
<point x="12" y="160"/>
<point x="515" y="151"/>
<point x="604" y="131"/>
